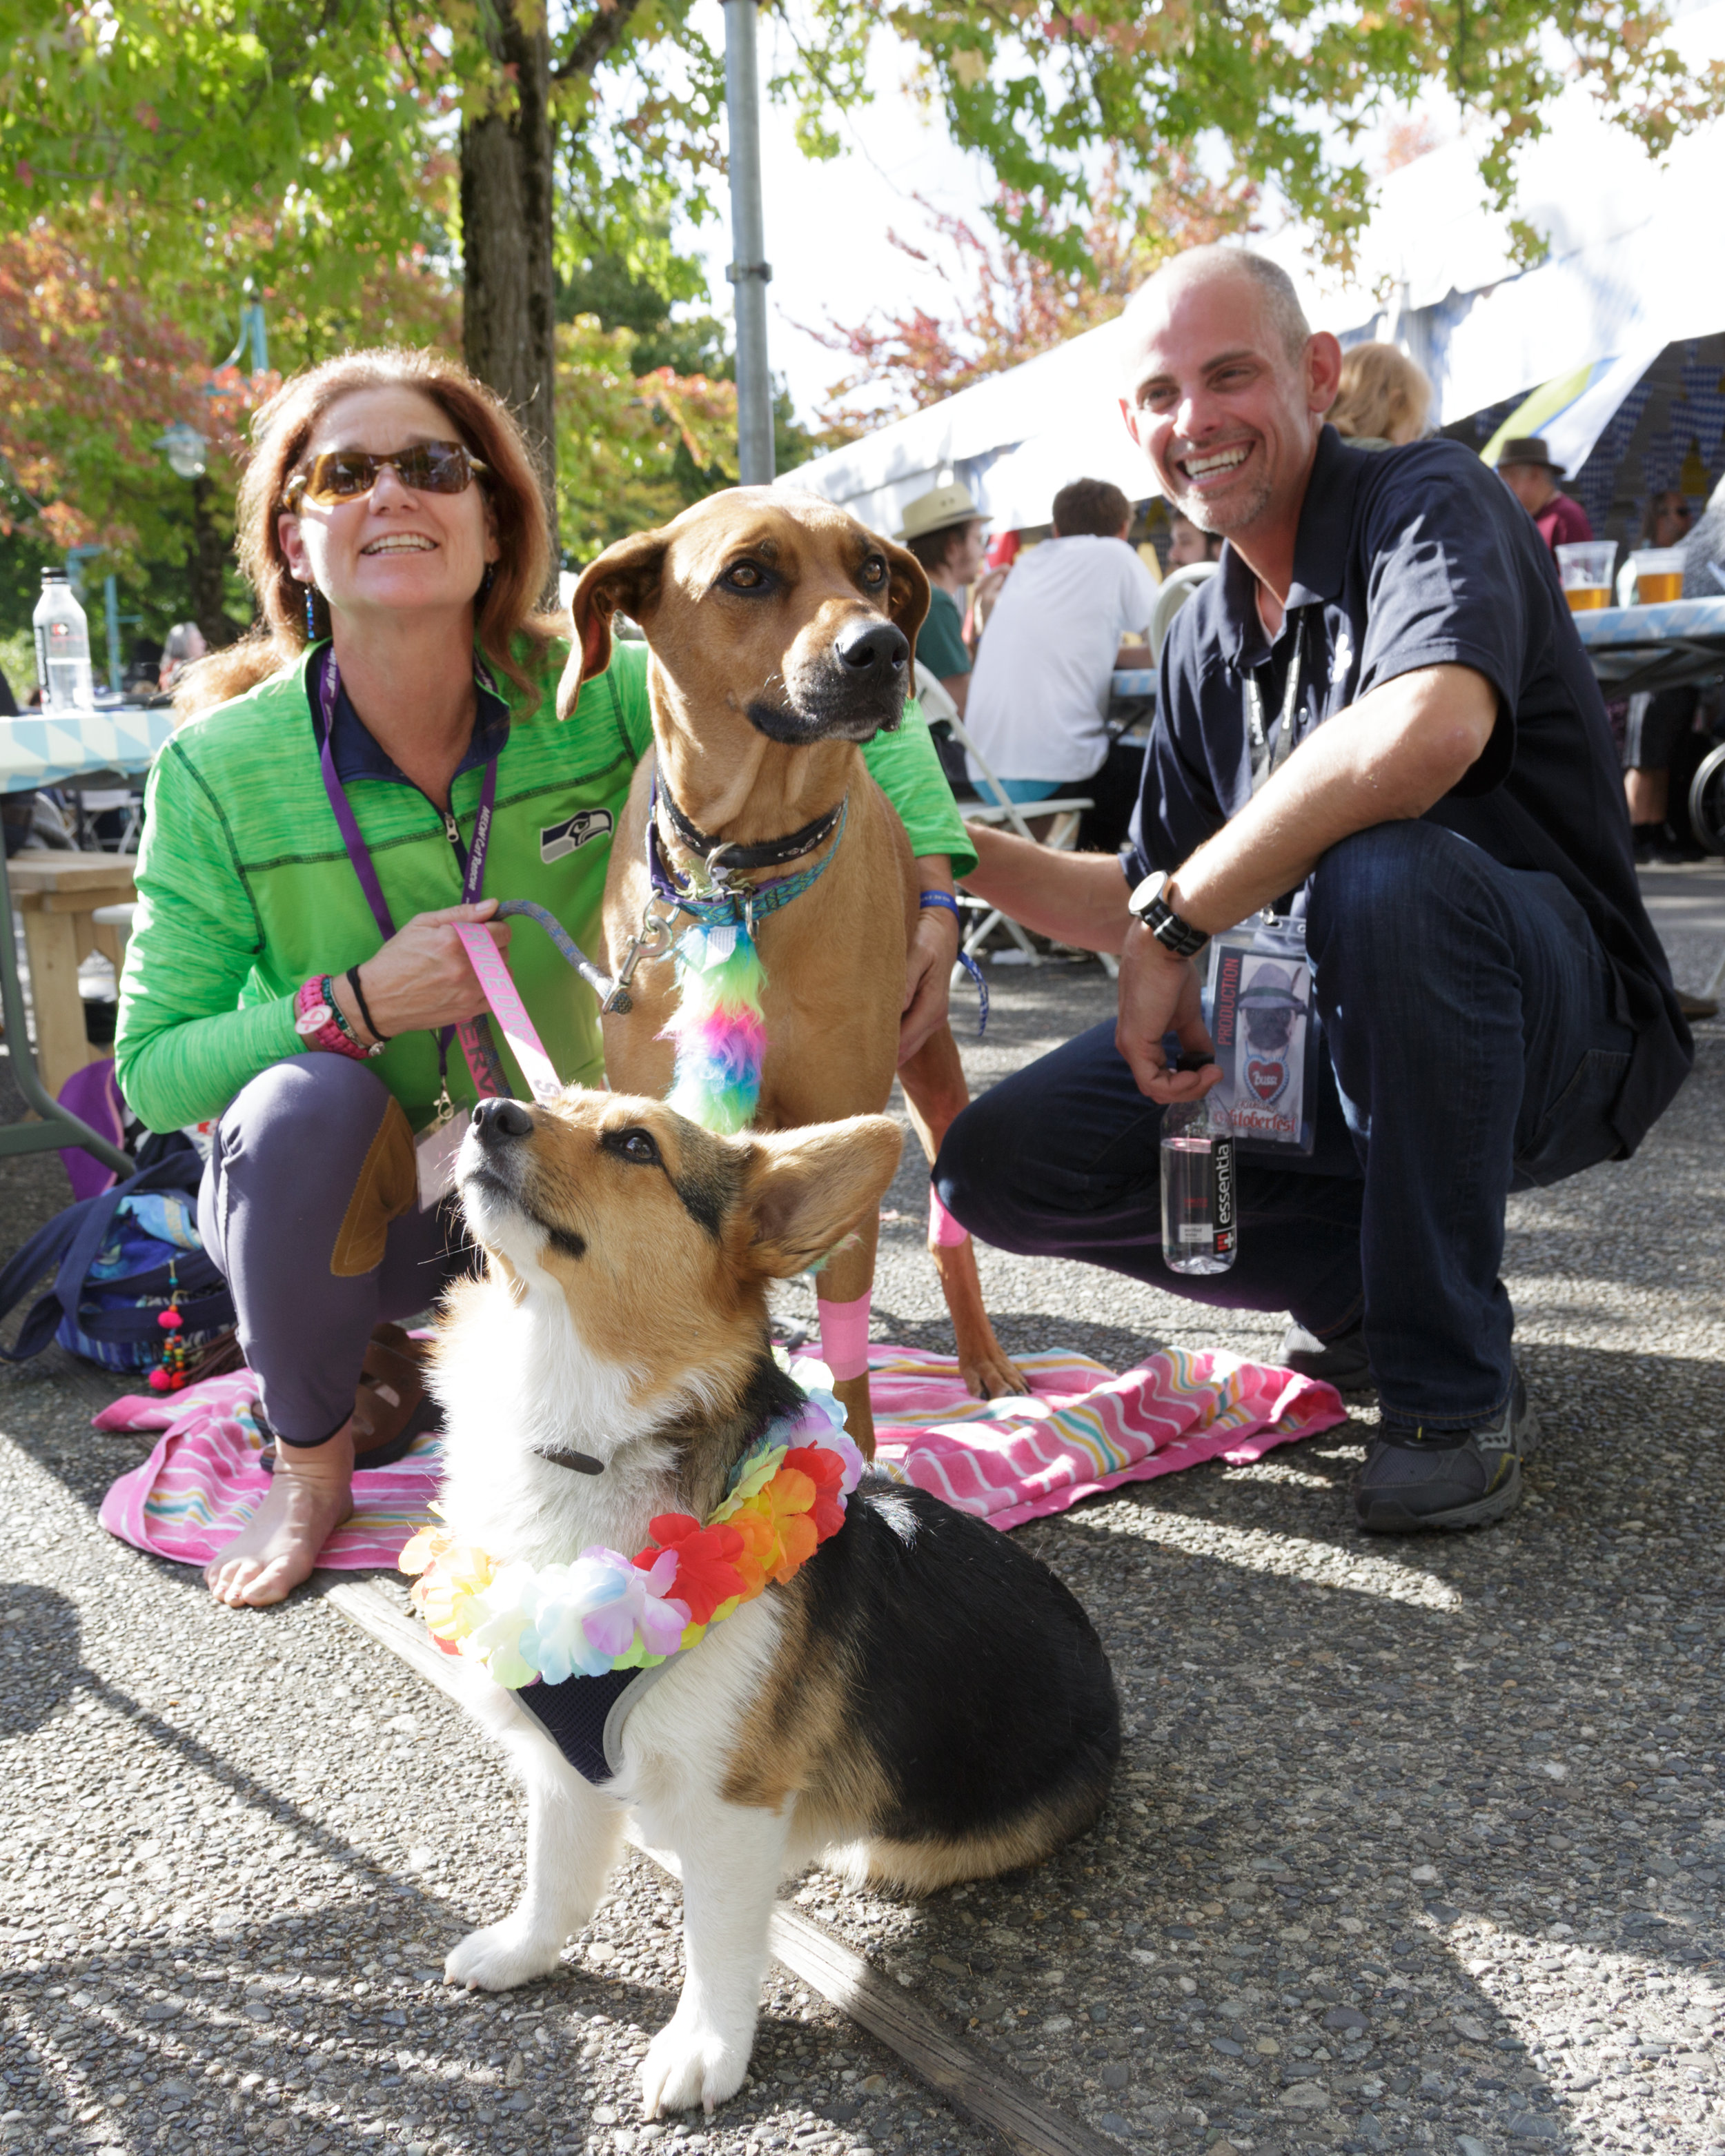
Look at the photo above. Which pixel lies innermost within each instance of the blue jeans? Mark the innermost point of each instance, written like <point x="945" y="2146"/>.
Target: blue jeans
<point x="1472" y="1049"/>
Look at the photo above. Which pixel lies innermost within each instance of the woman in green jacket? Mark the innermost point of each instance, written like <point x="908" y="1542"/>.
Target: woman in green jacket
<point x="309" y="846"/>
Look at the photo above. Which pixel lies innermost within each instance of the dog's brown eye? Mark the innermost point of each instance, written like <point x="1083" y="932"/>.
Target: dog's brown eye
<point x="873" y="573"/>
<point x="637" y="1147"/>
<point x="744" y="577"/>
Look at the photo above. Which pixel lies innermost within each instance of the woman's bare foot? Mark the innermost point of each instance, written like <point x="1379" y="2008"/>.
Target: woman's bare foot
<point x="309" y="1495"/>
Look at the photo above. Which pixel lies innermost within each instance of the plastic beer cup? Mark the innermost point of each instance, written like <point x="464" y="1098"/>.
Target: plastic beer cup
<point x="1658" y="575"/>
<point x="1585" y="565"/>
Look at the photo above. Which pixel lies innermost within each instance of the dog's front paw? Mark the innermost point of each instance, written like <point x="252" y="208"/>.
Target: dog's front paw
<point x="501" y="1957"/>
<point x="689" y="2061"/>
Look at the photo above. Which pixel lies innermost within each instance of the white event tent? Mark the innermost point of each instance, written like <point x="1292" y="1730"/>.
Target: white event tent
<point x="1635" y="263"/>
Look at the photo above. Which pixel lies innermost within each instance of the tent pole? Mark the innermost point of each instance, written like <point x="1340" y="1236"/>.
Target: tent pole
<point x="749" y="271"/>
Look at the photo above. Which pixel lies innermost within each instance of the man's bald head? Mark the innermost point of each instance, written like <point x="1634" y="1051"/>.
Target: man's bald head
<point x="1225" y="390"/>
<point x="1272" y="288"/>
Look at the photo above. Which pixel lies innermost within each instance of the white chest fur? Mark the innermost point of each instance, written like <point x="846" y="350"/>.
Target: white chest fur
<point x="514" y="1378"/>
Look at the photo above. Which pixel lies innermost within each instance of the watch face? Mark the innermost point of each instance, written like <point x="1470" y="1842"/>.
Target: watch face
<point x="1148" y="893"/>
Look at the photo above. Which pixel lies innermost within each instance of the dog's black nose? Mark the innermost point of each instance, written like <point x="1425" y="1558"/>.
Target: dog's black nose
<point x="878" y="649"/>
<point x="501" y="1119"/>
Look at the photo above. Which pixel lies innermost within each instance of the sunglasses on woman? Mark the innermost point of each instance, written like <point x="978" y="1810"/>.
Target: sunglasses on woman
<point x="344" y="475"/>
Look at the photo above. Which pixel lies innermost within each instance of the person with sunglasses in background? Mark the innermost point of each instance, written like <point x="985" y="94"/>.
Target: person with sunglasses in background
<point x="379" y="761"/>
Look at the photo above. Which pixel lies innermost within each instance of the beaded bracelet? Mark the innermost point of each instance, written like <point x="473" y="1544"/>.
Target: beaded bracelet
<point x="358" y="1047"/>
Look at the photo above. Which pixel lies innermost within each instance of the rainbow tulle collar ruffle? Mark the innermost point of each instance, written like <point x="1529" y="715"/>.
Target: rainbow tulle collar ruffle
<point x="606" y="1611"/>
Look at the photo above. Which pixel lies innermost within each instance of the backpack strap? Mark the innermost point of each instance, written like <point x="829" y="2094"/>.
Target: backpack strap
<point x="45" y="1247"/>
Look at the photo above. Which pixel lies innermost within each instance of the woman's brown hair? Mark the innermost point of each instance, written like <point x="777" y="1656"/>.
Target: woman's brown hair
<point x="506" y="611"/>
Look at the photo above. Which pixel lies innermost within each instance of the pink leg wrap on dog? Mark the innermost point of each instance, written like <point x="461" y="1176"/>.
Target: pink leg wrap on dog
<point x="943" y="1230"/>
<point x="845" y="1336"/>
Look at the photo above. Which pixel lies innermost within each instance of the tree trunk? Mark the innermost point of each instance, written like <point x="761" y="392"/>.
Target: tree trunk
<point x="204" y="561"/>
<point x="509" y="293"/>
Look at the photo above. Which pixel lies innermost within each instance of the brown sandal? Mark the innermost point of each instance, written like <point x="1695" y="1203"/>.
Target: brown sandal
<point x="391" y="1407"/>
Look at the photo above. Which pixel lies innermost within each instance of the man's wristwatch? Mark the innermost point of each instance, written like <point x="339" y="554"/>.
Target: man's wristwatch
<point x="1149" y="904"/>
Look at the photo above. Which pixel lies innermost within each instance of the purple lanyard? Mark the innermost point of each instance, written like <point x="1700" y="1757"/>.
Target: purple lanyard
<point x="476" y="1042"/>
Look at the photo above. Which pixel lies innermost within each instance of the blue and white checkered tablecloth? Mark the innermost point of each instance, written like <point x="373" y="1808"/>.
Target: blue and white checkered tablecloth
<point x="1655" y="647"/>
<point x="1676" y="621"/>
<point x="43" y="749"/>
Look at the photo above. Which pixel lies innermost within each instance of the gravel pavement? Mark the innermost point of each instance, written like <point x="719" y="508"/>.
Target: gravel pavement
<point x="1415" y="1844"/>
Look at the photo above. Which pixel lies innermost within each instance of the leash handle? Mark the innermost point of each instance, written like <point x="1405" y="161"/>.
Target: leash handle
<point x="943" y="902"/>
<point x="511" y="1013"/>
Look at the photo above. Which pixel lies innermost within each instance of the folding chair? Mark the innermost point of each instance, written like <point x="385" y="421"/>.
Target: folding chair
<point x="998" y="808"/>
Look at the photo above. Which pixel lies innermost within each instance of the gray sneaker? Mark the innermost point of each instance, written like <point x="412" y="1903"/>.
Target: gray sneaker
<point x="1415" y="1479"/>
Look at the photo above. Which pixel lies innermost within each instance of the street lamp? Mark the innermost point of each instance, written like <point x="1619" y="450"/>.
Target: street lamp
<point x="187" y="451"/>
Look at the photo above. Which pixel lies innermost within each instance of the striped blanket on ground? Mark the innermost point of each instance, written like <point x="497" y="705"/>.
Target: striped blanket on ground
<point x="1082" y="1429"/>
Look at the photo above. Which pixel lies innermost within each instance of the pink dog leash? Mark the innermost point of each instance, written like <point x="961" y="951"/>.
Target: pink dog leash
<point x="843" y="1326"/>
<point x="509" y="1012"/>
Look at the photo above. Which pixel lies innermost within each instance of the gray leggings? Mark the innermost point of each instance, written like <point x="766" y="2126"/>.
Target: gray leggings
<point x="309" y="1209"/>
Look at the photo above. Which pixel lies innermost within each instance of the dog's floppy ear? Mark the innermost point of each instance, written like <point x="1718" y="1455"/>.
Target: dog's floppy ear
<point x="807" y="1189"/>
<point x="907" y="595"/>
<point x="625" y="579"/>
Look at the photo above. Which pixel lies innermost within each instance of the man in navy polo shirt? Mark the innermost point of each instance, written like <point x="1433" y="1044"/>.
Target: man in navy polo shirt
<point x="1378" y="714"/>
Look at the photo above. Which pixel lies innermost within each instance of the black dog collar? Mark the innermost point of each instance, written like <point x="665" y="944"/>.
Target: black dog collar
<point x="724" y="859"/>
<point x="564" y="1455"/>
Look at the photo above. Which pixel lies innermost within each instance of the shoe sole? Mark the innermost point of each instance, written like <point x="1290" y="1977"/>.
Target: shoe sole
<point x="1484" y="1512"/>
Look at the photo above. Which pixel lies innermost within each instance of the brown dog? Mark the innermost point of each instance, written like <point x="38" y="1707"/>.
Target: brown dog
<point x="781" y="633"/>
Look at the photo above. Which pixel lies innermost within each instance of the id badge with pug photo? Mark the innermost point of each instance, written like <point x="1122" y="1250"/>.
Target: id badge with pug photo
<point x="1259" y="1012"/>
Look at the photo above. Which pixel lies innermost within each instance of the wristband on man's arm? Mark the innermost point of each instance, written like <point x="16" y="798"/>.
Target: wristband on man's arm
<point x="943" y="902"/>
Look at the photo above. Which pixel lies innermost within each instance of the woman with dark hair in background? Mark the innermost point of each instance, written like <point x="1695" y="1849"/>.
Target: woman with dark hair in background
<point x="383" y="761"/>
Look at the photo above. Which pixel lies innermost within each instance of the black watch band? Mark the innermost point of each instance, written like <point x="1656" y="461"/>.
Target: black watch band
<point x="1149" y="904"/>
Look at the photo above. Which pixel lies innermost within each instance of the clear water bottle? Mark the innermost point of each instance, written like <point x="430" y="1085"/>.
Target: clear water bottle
<point x="62" y="647"/>
<point x="1199" y="1193"/>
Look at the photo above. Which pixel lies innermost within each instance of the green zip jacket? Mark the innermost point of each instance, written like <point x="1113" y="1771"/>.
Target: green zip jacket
<point x="245" y="889"/>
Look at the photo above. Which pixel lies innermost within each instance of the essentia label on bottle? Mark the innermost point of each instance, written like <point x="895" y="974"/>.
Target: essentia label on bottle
<point x="1224" y="1156"/>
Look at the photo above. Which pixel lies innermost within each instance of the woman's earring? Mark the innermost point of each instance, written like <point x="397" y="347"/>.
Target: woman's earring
<point x="489" y="578"/>
<point x="310" y="613"/>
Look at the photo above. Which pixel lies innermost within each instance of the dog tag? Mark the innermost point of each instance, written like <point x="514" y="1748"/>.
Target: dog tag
<point x="434" y="1152"/>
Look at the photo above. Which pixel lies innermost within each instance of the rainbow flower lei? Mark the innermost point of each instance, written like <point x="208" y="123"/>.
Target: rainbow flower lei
<point x="606" y="1611"/>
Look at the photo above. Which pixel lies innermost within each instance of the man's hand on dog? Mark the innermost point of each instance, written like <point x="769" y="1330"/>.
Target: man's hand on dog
<point x="928" y="979"/>
<point x="1159" y="995"/>
<point x="422" y="976"/>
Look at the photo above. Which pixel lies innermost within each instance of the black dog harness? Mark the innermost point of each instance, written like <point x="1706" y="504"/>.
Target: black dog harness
<point x="583" y="1717"/>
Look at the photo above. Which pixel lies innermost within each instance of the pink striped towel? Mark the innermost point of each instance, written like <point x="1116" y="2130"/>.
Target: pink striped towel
<point x="1082" y="1429"/>
<point x="201" y="1482"/>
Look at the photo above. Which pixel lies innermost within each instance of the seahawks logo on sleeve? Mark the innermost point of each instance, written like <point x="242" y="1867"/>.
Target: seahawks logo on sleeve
<point x="557" y="839"/>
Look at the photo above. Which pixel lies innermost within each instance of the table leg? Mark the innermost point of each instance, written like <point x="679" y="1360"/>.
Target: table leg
<point x="61" y="1045"/>
<point x="59" y="1127"/>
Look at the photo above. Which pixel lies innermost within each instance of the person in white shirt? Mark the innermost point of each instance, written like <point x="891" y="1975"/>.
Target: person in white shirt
<point x="1039" y="695"/>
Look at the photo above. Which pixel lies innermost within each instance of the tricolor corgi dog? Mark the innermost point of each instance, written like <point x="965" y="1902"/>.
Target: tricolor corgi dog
<point x="677" y="1596"/>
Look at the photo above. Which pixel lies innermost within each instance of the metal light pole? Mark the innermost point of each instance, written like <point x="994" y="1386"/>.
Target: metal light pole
<point x="749" y="271"/>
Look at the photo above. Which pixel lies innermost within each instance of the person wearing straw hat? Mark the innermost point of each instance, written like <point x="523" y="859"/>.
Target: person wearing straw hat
<point x="943" y="529"/>
<point x="1525" y="466"/>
